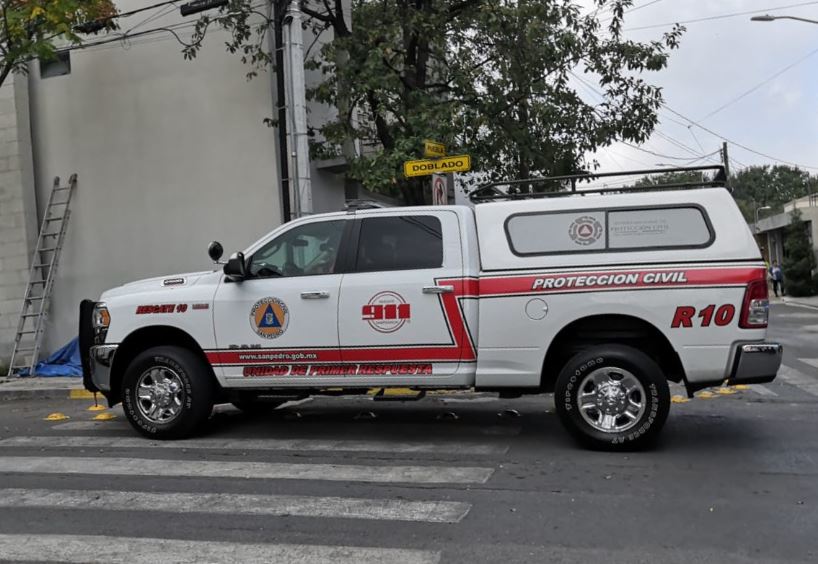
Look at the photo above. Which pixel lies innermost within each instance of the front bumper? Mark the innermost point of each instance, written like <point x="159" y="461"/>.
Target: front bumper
<point x="756" y="363"/>
<point x="101" y="358"/>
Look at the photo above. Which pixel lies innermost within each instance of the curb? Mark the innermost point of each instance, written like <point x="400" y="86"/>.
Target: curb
<point x="42" y="389"/>
<point x="35" y="394"/>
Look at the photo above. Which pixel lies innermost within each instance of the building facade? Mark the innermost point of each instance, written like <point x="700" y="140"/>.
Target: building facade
<point x="170" y="154"/>
<point x="771" y="231"/>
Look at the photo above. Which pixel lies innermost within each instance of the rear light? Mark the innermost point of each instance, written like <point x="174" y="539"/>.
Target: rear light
<point x="756" y="306"/>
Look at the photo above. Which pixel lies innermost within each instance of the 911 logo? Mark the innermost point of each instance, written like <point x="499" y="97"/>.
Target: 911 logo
<point x="585" y="230"/>
<point x="386" y="312"/>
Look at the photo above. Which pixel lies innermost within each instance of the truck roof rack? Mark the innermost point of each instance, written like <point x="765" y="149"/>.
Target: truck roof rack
<point x="351" y="206"/>
<point x="491" y="192"/>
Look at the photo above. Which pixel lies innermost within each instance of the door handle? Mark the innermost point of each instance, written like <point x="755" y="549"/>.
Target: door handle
<point x="438" y="289"/>
<point x="314" y="295"/>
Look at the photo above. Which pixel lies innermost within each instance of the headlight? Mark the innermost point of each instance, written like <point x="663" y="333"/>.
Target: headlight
<point x="101" y="319"/>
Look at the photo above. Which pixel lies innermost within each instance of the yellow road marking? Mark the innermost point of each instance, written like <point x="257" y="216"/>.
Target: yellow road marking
<point x="741" y="387"/>
<point x="400" y="392"/>
<point x="705" y="395"/>
<point x="679" y="399"/>
<point x="57" y="416"/>
<point x="104" y="417"/>
<point x="726" y="391"/>
<point x="373" y="391"/>
<point x="81" y="394"/>
<point x="97" y="408"/>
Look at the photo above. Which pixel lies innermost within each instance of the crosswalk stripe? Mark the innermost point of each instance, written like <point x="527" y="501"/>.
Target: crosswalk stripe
<point x="225" y="469"/>
<point x="798" y="379"/>
<point x="811" y="361"/>
<point x="84" y="425"/>
<point x="258" y="444"/>
<point x="276" y="505"/>
<point x="116" y="550"/>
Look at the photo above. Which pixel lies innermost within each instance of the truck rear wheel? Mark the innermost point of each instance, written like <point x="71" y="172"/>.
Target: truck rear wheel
<point x="612" y="397"/>
<point x="167" y="392"/>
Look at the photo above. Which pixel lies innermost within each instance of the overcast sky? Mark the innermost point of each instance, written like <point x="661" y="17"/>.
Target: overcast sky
<point x="718" y="61"/>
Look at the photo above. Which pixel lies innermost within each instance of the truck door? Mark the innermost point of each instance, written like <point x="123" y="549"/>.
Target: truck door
<point x="399" y="316"/>
<point x="283" y="317"/>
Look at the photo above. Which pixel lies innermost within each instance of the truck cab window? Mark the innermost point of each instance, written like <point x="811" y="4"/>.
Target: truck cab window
<point x="306" y="250"/>
<point x="400" y="243"/>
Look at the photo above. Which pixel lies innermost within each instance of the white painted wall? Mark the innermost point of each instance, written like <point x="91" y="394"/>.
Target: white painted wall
<point x="170" y="154"/>
<point x="18" y="214"/>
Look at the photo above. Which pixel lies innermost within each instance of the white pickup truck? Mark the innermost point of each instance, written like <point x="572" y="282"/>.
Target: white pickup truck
<point x="598" y="297"/>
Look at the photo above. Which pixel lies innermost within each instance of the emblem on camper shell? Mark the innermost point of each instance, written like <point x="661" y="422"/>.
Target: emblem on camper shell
<point x="585" y="230"/>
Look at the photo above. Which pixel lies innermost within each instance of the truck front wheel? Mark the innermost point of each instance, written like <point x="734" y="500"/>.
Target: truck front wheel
<point x="167" y="392"/>
<point x="612" y="397"/>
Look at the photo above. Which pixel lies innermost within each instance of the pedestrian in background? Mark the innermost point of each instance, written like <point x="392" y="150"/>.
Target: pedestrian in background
<point x="777" y="276"/>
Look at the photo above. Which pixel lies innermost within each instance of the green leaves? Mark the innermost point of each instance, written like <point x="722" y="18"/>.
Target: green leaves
<point x="501" y="80"/>
<point x="774" y="186"/>
<point x="31" y="28"/>
<point x="799" y="262"/>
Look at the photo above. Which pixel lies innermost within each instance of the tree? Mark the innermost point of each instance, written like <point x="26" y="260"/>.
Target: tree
<point x="33" y="28"/>
<point x="671" y="178"/>
<point x="498" y="79"/>
<point x="773" y="186"/>
<point x="799" y="262"/>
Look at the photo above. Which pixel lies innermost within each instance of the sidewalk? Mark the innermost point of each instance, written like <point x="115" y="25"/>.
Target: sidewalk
<point x="41" y="388"/>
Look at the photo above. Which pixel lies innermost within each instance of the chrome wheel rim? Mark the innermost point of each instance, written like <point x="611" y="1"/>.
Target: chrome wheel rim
<point x="159" y="394"/>
<point x="611" y="399"/>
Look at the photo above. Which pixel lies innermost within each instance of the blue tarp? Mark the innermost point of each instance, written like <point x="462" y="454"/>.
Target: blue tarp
<point x="64" y="362"/>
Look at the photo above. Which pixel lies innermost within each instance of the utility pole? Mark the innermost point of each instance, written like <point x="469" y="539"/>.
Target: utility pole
<point x="299" y="146"/>
<point x="277" y="8"/>
<point x="726" y="162"/>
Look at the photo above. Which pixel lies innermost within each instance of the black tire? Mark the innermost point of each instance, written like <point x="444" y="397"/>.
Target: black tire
<point x="192" y="393"/>
<point x="639" y="429"/>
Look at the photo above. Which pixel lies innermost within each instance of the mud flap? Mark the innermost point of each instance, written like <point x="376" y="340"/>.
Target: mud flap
<point x="86" y="340"/>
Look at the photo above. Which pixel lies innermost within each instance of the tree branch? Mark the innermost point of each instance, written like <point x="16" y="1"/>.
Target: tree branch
<point x="384" y="135"/>
<point x="318" y="15"/>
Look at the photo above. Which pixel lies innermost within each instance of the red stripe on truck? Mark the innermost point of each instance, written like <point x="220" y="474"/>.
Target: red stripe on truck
<point x="618" y="279"/>
<point x="494" y="286"/>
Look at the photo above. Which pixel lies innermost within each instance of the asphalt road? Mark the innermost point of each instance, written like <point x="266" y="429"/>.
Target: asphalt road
<point x="734" y="479"/>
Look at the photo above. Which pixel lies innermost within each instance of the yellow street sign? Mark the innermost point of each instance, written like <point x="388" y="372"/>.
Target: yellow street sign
<point x="433" y="149"/>
<point x="460" y="163"/>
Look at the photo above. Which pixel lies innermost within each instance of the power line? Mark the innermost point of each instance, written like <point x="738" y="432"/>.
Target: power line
<point x="722" y="16"/>
<point x="741" y="146"/>
<point x="655" y="154"/>
<point x="128" y="35"/>
<point x="640" y="6"/>
<point x="632" y="9"/>
<point x="760" y="84"/>
<point x="169" y="9"/>
<point x="670" y="139"/>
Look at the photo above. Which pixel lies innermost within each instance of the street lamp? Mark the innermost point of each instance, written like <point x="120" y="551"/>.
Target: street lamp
<point x="769" y="18"/>
<point x="758" y="210"/>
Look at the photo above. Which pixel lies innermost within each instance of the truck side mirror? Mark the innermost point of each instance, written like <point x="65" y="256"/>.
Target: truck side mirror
<point x="215" y="251"/>
<point x="235" y="269"/>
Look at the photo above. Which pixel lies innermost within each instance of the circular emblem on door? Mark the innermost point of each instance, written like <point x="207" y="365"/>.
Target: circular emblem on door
<point x="386" y="312"/>
<point x="585" y="230"/>
<point x="269" y="318"/>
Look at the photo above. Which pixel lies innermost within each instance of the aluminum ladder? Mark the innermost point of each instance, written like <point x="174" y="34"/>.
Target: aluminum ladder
<point x="34" y="310"/>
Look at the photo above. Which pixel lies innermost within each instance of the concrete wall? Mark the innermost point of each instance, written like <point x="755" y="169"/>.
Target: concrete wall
<point x="170" y="154"/>
<point x="18" y="214"/>
<point x="773" y="230"/>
